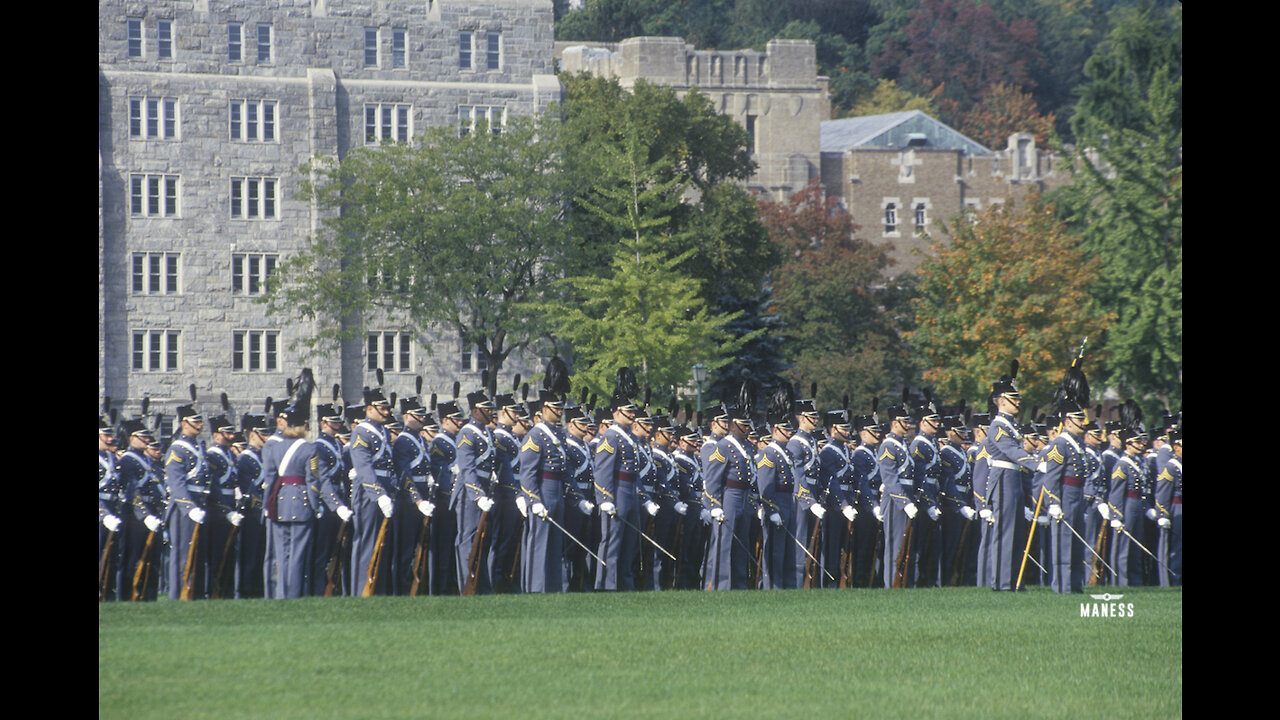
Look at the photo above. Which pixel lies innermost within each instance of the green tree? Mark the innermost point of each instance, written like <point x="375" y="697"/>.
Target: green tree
<point x="1126" y="200"/>
<point x="832" y="295"/>
<point x="447" y="233"/>
<point x="645" y="312"/>
<point x="1010" y="283"/>
<point x="889" y="98"/>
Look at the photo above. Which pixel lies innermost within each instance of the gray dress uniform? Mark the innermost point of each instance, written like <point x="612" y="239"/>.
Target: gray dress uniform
<point x="617" y="466"/>
<point x="188" y="484"/>
<point x="1169" y="505"/>
<point x="373" y="471"/>
<point x="1126" y="504"/>
<point x="544" y="478"/>
<point x="926" y="538"/>
<point x="1065" y="468"/>
<point x="1007" y="463"/>
<point x="776" y="478"/>
<point x="476" y="462"/>
<point x="728" y="479"/>
<point x="809" y="492"/>
<point x="112" y="500"/>
<point x="292" y="500"/>
<point x="899" y="490"/>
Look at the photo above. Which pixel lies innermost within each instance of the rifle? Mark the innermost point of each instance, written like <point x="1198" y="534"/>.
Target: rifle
<point x="333" y="572"/>
<point x="477" y="554"/>
<point x="878" y="556"/>
<point x="957" y="562"/>
<point x="104" y="566"/>
<point x="810" y="565"/>
<point x="227" y="551"/>
<point x="370" y="583"/>
<point x="900" y="565"/>
<point x="142" y="575"/>
<point x="515" y="562"/>
<point x="846" y="557"/>
<point x="1095" y="578"/>
<point x="420" y="556"/>
<point x="679" y="548"/>
<point x="189" y="570"/>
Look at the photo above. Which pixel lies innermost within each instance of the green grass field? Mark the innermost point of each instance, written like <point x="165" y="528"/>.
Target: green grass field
<point x="956" y="652"/>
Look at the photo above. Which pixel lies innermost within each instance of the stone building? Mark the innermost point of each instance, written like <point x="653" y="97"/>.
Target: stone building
<point x="776" y="94"/>
<point x="206" y="110"/>
<point x="903" y="175"/>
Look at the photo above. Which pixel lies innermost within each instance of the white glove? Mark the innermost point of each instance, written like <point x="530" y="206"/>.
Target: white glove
<point x="386" y="505"/>
<point x="968" y="512"/>
<point x="239" y="495"/>
<point x="608" y="508"/>
<point x="1164" y="523"/>
<point x="485" y="503"/>
<point x="426" y="507"/>
<point x="1026" y="512"/>
<point x="911" y="510"/>
<point x="344" y="513"/>
<point x="351" y="474"/>
<point x="1055" y="511"/>
<point x="875" y="510"/>
<point x="522" y="505"/>
<point x="585" y="507"/>
<point x="776" y="519"/>
<point x="705" y="516"/>
<point x="1042" y="467"/>
<point x="539" y="509"/>
<point x="651" y="507"/>
<point x="718" y="514"/>
<point x="1042" y="520"/>
<point x="235" y="518"/>
<point x="760" y="514"/>
<point x="111" y="522"/>
<point x="849" y="513"/>
<point x="1151" y="513"/>
<point x="152" y="522"/>
<point x="1105" y="511"/>
<point x="196" y="515"/>
<point x="934" y="514"/>
<point x="817" y="510"/>
<point x="682" y="508"/>
<point x="985" y="514"/>
<point x="1116" y="524"/>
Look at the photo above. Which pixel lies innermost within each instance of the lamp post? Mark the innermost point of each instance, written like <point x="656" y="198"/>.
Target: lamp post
<point x="699" y="377"/>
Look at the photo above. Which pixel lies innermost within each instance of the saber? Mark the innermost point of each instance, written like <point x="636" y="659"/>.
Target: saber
<point x="570" y="535"/>
<point x="646" y="537"/>
<point x="1145" y="550"/>
<point x="806" y="552"/>
<point x="1087" y="545"/>
<point x="1037" y="564"/>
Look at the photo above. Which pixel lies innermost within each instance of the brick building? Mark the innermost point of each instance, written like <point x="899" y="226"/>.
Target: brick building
<point x="902" y="175"/>
<point x="206" y="110"/>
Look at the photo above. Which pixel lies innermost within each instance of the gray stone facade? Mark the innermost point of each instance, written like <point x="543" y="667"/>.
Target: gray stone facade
<point x="198" y="170"/>
<point x="776" y="94"/>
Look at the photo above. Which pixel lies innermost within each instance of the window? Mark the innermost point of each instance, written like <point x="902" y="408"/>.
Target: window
<point x="253" y="198"/>
<point x="384" y="123"/>
<point x="255" y="350"/>
<point x="264" y="43"/>
<point x="253" y="120"/>
<point x="392" y="351"/>
<point x="470" y="116"/>
<point x="493" y="51"/>
<point x="235" y="42"/>
<point x="133" y="30"/>
<point x="155" y="273"/>
<point x="371" y="47"/>
<point x="922" y="218"/>
<point x="251" y="271"/>
<point x="153" y="195"/>
<point x="751" y="132"/>
<point x="464" y="50"/>
<point x="891" y="218"/>
<point x="153" y="118"/>
<point x="472" y="360"/>
<point x="164" y="30"/>
<point x="155" y="350"/>
<point x="399" y="52"/>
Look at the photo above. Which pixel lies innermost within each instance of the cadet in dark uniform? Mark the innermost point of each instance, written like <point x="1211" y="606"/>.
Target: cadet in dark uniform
<point x="617" y="466"/>
<point x="776" y="478"/>
<point x="1065" y="468"/>
<point x="472" y="493"/>
<point x="225" y="517"/>
<point x="188" y="484"/>
<point x="926" y="471"/>
<point x="579" y="569"/>
<point x="111" y="503"/>
<point x="444" y="528"/>
<point x="141" y="484"/>
<point x="899" y="506"/>
<point x="409" y="454"/>
<point x="547" y="486"/>
<point x="1126" y="508"/>
<point x="331" y="475"/>
<point x="506" y="522"/>
<point x="689" y="481"/>
<point x="372" y="473"/>
<point x="250" y="573"/>
<point x="864" y="477"/>
<point x="810" y="494"/>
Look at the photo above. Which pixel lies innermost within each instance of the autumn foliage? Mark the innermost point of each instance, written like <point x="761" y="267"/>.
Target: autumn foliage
<point x="1010" y="283"/>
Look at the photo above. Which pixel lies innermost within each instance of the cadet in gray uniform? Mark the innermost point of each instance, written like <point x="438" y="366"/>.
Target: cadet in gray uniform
<point x="1006" y="463"/>
<point x="188" y="484"/>
<point x="292" y="498"/>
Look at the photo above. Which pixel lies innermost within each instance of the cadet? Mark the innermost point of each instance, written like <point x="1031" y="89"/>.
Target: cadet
<point x="898" y="506"/>
<point x="1006" y="462"/>
<point x="728" y="478"/>
<point x="810" y="493"/>
<point x="251" y="578"/>
<point x="372" y="470"/>
<point x="776" y="478"/>
<point x="579" y="568"/>
<point x="330" y="473"/>
<point x="111" y="501"/>
<point x="1066" y="465"/>
<point x="689" y="481"/>
<point x="225" y="519"/>
<point x="444" y="528"/>
<point x="472" y="495"/>
<point x="1125" y="501"/>
<point x="507" y="519"/>
<point x="836" y="474"/>
<point x="141" y="484"/>
<point x="1169" y="507"/>
<point x="864" y="478"/>
<point x="188" y="485"/>
<point x="617" y="464"/>
<point x="409" y="454"/>
<point x="291" y="497"/>
<point x="926" y="470"/>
